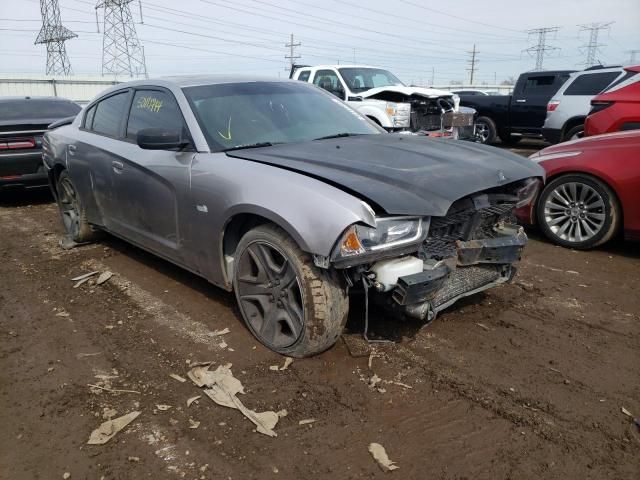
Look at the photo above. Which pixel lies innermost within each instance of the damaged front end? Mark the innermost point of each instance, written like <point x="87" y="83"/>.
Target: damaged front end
<point x="434" y="116"/>
<point x="470" y="249"/>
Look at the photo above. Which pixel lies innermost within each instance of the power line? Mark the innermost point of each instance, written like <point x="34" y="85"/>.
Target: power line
<point x="541" y="47"/>
<point x="291" y="46"/>
<point x="122" y="52"/>
<point x="53" y="34"/>
<point x="593" y="45"/>
<point x="472" y="62"/>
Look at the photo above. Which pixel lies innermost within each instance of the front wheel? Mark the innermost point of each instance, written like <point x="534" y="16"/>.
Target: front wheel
<point x="575" y="133"/>
<point x="578" y="211"/>
<point x="290" y="305"/>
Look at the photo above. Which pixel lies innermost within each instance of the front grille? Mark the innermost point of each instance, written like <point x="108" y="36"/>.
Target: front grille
<point x="464" y="225"/>
<point x="463" y="280"/>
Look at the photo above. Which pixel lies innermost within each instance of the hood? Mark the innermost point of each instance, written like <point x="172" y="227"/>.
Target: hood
<point x="425" y="92"/>
<point x="402" y="174"/>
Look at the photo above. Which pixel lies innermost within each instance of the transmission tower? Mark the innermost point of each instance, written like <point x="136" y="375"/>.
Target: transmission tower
<point x="292" y="58"/>
<point x="632" y="56"/>
<point x="472" y="64"/>
<point x="53" y="34"/>
<point x="541" y="47"/>
<point x="122" y="53"/>
<point x="593" y="45"/>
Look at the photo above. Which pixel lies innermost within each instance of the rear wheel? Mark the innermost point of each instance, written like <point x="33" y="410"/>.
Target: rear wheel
<point x="485" y="130"/>
<point x="574" y="133"/>
<point x="289" y="304"/>
<point x="72" y="211"/>
<point x="578" y="211"/>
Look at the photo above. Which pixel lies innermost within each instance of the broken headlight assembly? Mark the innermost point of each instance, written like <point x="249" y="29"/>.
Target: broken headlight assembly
<point x="389" y="235"/>
<point x="528" y="191"/>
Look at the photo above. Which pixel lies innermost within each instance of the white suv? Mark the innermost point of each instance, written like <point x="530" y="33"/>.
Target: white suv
<point x="569" y="107"/>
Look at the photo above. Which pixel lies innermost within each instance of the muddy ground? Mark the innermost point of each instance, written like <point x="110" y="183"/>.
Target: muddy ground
<point x="525" y="381"/>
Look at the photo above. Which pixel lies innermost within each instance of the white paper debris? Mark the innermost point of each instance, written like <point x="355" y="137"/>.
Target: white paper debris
<point x="287" y="361"/>
<point x="104" y="277"/>
<point x="626" y="412"/>
<point x="224" y="388"/>
<point x="177" y="377"/>
<point x="108" y="429"/>
<point x="163" y="408"/>
<point x="217" y="333"/>
<point x="66" y="475"/>
<point x="86" y="275"/>
<point x="380" y="455"/>
<point x="274" y="368"/>
<point x="193" y="424"/>
<point x="193" y="399"/>
<point x="307" y="421"/>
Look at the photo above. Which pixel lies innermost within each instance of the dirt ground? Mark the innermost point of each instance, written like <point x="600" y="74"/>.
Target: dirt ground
<point x="525" y="381"/>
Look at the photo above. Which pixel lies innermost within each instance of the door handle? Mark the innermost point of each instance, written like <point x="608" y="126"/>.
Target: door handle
<point x="521" y="100"/>
<point x="72" y="149"/>
<point x="117" y="166"/>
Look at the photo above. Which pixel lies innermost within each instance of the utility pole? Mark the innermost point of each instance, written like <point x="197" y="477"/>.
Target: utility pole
<point x="53" y="35"/>
<point x="541" y="47"/>
<point x="433" y="76"/>
<point x="632" y="56"/>
<point x="593" y="45"/>
<point x="122" y="52"/>
<point x="292" y="57"/>
<point x="472" y="63"/>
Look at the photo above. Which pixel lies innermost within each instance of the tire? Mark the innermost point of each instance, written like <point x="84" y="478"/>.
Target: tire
<point x="578" y="211"/>
<point x="72" y="211"/>
<point x="577" y="132"/>
<point x="486" y="130"/>
<point x="509" y="139"/>
<point x="290" y="305"/>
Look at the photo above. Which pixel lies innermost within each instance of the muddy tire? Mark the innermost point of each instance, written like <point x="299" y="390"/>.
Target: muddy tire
<point x="290" y="305"/>
<point x="72" y="211"/>
<point x="578" y="211"/>
<point x="486" y="130"/>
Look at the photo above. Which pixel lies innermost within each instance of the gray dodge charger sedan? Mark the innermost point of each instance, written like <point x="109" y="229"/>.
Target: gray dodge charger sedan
<point x="280" y="192"/>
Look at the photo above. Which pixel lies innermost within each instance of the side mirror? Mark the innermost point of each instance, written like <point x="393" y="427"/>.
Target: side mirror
<point x="160" y="139"/>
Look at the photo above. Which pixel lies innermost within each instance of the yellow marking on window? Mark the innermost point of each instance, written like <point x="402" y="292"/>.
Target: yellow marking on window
<point x="149" y="103"/>
<point x="228" y="135"/>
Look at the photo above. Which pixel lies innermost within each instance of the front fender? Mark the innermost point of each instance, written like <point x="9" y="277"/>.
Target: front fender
<point x="374" y="111"/>
<point x="313" y="212"/>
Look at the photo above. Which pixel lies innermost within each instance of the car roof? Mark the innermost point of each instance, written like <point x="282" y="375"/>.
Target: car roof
<point x="30" y="97"/>
<point x="346" y="65"/>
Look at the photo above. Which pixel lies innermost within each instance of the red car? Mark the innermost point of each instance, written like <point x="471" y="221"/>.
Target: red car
<point x="592" y="190"/>
<point x="618" y="107"/>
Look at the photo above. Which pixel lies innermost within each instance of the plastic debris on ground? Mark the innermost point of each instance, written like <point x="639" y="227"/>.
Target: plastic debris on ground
<point x="177" y="377"/>
<point x="107" y="430"/>
<point x="222" y="387"/>
<point x="380" y="455"/>
<point x="193" y="399"/>
<point x="104" y="276"/>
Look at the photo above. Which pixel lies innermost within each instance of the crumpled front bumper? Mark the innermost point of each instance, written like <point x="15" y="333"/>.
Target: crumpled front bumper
<point x="479" y="265"/>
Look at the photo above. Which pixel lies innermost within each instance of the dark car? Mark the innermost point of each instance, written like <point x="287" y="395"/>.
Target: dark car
<point x="521" y="114"/>
<point x="284" y="194"/>
<point x="23" y="120"/>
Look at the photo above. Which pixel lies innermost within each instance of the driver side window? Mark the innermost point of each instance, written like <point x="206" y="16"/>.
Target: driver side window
<point x="155" y="109"/>
<point x="328" y="80"/>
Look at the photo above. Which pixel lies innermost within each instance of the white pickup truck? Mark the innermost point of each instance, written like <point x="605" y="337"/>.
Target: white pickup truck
<point x="379" y="95"/>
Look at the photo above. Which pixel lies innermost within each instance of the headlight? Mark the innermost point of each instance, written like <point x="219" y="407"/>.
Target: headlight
<point x="391" y="108"/>
<point x="389" y="233"/>
<point x="528" y="192"/>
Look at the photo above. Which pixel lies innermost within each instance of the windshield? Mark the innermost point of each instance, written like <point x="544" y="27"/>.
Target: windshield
<point x="233" y="115"/>
<point x="361" y="79"/>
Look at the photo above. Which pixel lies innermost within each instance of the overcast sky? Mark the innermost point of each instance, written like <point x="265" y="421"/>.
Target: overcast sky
<point x="413" y="38"/>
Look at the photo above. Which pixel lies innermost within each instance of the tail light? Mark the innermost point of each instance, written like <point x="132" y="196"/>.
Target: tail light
<point x="552" y="105"/>
<point x="599" y="105"/>
<point x="17" y="143"/>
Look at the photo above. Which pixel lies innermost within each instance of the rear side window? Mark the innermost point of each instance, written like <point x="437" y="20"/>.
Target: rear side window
<point x="154" y="109"/>
<point x="591" y="83"/>
<point x="304" y="76"/>
<point x="540" y="84"/>
<point x="622" y="79"/>
<point x="109" y="114"/>
<point x="88" y="119"/>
